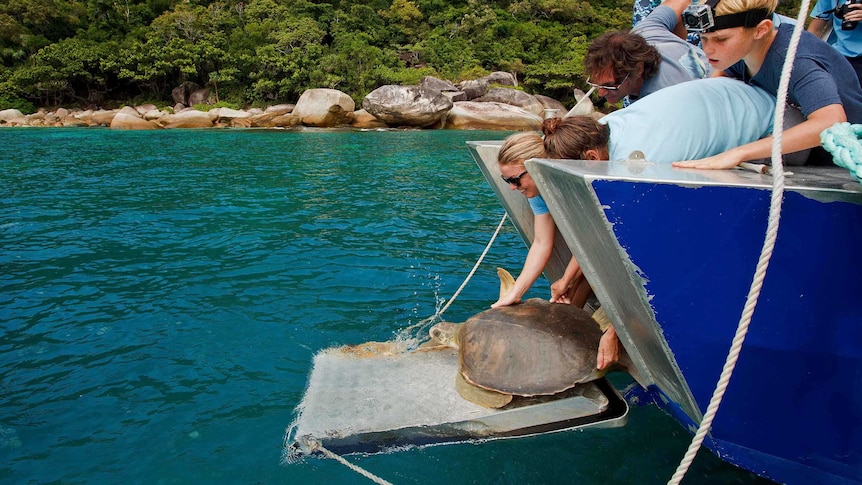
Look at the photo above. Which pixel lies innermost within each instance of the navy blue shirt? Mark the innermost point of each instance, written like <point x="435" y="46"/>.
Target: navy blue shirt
<point x="821" y="76"/>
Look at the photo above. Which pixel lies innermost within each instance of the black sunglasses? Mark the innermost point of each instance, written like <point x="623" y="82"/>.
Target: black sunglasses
<point x="514" y="180"/>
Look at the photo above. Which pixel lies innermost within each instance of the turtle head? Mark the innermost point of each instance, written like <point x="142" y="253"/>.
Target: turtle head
<point x="445" y="333"/>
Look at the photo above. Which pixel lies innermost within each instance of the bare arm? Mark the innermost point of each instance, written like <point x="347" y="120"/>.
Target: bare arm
<point x="537" y="258"/>
<point x="561" y="287"/>
<point x="818" y="27"/>
<point x="802" y="136"/>
<point x="678" y="6"/>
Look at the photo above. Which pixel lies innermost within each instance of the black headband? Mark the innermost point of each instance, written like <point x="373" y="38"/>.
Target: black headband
<point x="749" y="18"/>
<point x="702" y="18"/>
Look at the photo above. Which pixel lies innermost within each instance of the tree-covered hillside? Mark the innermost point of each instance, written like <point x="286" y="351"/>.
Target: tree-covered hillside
<point x="254" y="52"/>
<point x="105" y="52"/>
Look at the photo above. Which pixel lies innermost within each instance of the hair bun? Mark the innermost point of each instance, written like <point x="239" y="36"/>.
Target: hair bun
<point x="550" y="125"/>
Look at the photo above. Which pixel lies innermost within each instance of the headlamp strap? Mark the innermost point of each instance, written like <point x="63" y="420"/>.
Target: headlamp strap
<point x="749" y="18"/>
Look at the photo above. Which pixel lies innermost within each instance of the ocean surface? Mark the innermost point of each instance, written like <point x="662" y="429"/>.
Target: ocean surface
<point x="162" y="295"/>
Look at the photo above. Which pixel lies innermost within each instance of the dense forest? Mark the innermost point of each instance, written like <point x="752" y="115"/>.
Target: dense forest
<point x="255" y="52"/>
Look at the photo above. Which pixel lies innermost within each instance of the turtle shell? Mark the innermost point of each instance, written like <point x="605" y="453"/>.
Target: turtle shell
<point x="533" y="348"/>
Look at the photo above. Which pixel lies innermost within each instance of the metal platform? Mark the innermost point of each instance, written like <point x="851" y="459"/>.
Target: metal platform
<point x="370" y="404"/>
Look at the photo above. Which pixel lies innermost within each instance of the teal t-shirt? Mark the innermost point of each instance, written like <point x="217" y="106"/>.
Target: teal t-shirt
<point x="691" y="120"/>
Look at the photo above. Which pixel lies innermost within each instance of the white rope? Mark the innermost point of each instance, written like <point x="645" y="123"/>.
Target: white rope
<point x="475" y="266"/>
<point x="315" y="445"/>
<point x="765" y="253"/>
<point x="409" y="330"/>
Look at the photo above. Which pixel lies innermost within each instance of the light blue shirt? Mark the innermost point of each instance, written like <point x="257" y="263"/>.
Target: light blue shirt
<point x="538" y="205"/>
<point x="691" y="120"/>
<point x="847" y="42"/>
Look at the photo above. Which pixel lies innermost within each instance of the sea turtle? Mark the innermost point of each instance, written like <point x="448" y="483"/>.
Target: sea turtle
<point x="529" y="349"/>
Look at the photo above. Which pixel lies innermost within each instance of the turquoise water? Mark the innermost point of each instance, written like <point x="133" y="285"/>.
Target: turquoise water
<point x="162" y="295"/>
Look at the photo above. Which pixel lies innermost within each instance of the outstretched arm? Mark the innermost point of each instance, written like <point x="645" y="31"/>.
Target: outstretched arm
<point x="560" y="288"/>
<point x="800" y="137"/>
<point x="537" y="258"/>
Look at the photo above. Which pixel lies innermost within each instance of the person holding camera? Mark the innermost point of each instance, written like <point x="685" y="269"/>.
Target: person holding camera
<point x="844" y="16"/>
<point x="740" y="40"/>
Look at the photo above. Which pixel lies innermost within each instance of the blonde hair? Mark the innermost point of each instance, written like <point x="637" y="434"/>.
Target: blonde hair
<point x="521" y="147"/>
<point x="727" y="7"/>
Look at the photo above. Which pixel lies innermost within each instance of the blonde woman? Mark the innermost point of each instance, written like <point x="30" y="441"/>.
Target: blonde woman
<point x="572" y="287"/>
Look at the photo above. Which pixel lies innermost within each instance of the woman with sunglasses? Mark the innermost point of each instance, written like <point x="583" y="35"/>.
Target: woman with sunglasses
<point x="572" y="287"/>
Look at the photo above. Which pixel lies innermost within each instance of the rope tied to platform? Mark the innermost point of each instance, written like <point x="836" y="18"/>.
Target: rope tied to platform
<point x="842" y="141"/>
<point x="314" y="445"/>
<point x="407" y="331"/>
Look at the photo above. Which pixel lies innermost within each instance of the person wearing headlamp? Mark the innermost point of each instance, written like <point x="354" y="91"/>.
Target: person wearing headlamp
<point x="740" y="41"/>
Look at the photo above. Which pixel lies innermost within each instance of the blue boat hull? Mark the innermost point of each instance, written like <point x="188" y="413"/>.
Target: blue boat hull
<point x="793" y="411"/>
<point x="671" y="255"/>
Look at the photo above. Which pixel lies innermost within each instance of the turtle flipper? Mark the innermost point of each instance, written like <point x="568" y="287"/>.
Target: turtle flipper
<point x="480" y="396"/>
<point x="507" y="282"/>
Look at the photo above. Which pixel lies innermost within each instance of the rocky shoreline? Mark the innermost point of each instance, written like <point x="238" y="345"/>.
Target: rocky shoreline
<point x="488" y="103"/>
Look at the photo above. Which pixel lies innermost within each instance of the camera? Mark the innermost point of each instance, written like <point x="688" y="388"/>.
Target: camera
<point x="698" y="18"/>
<point x="841" y="11"/>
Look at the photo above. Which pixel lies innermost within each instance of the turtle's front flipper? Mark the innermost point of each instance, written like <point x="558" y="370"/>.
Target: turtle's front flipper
<point x="480" y="396"/>
<point x="507" y="282"/>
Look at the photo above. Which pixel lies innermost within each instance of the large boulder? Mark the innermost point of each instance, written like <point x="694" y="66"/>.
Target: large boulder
<point x="474" y="115"/>
<point x="514" y="97"/>
<point x="104" y="117"/>
<point x="272" y="119"/>
<point x="199" y="96"/>
<point x="365" y="120"/>
<point x="180" y="94"/>
<point x="324" y="108"/>
<point x="407" y="105"/>
<point x="227" y="114"/>
<point x="473" y="89"/>
<point x="431" y="82"/>
<point x="552" y="107"/>
<point x="123" y="120"/>
<point x="187" y="119"/>
<point x="280" y="108"/>
<point x="73" y="122"/>
<point x="501" y="78"/>
<point x="11" y="114"/>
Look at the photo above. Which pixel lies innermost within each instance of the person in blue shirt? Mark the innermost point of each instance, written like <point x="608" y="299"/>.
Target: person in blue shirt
<point x="691" y="120"/>
<point x="572" y="288"/>
<point x="742" y="43"/>
<point x="846" y="35"/>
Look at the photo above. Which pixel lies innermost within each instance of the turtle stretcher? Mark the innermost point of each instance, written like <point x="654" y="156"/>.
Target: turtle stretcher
<point x="379" y="401"/>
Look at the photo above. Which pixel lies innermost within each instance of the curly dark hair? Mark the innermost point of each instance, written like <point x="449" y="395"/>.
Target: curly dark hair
<point x="572" y="136"/>
<point x="621" y="50"/>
